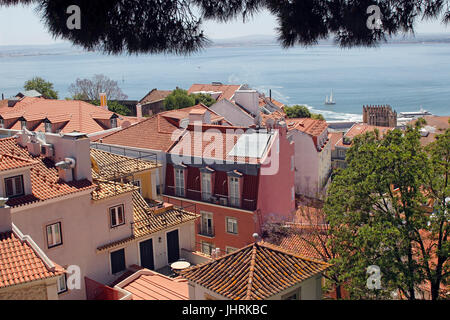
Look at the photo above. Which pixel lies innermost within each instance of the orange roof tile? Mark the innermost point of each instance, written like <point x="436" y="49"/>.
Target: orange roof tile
<point x="227" y="90"/>
<point x="305" y="244"/>
<point x="313" y="127"/>
<point x="361" y="128"/>
<point x="8" y="162"/>
<point x="255" y="272"/>
<point x="45" y="182"/>
<point x="80" y="116"/>
<point x="154" y="133"/>
<point x="435" y="125"/>
<point x="19" y="263"/>
<point x="150" y="285"/>
<point x="183" y="113"/>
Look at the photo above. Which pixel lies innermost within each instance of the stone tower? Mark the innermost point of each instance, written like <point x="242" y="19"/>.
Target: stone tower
<point x="382" y="116"/>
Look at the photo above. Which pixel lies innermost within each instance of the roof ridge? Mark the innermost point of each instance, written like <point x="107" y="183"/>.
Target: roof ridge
<point x="132" y="126"/>
<point x="251" y="273"/>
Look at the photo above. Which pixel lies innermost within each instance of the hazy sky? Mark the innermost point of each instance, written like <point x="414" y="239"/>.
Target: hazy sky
<point x="21" y="25"/>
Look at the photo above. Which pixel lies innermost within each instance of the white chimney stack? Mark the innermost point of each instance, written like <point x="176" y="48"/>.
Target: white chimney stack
<point x="139" y="111"/>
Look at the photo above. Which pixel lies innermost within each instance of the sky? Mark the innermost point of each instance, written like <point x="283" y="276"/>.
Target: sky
<point x="21" y="26"/>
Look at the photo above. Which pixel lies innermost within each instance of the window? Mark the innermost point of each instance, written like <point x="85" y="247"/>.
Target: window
<point x="207" y="248"/>
<point x="117" y="216"/>
<point x="54" y="235"/>
<point x="48" y="127"/>
<point x="234" y="192"/>
<point x="232" y="225"/>
<point x="114" y="123"/>
<point x="137" y="183"/>
<point x="62" y="284"/>
<point x="179" y="182"/>
<point x="230" y="250"/>
<point x="23" y="124"/>
<point x="2" y="123"/>
<point x="117" y="261"/>
<point x="14" y="186"/>
<point x="206" y="186"/>
<point x="207" y="224"/>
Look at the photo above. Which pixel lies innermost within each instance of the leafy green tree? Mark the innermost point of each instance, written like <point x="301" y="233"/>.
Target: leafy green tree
<point x="317" y="116"/>
<point x="297" y="111"/>
<point x="178" y="99"/>
<point x="42" y="86"/>
<point x="114" y="106"/>
<point x="206" y="99"/>
<point x="377" y="214"/>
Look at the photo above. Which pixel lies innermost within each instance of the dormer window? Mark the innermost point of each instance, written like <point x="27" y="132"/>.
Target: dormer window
<point x="2" y="123"/>
<point x="235" y="198"/>
<point x="206" y="186"/>
<point x="48" y="127"/>
<point x="23" y="124"/>
<point x="113" y="123"/>
<point x="14" y="186"/>
<point x="179" y="182"/>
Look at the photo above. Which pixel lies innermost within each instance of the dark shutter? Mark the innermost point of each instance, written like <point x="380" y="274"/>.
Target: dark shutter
<point x="173" y="246"/>
<point x="118" y="261"/>
<point x="250" y="192"/>
<point x="221" y="183"/>
<point x="193" y="183"/>
<point x="146" y="251"/>
<point x="170" y="182"/>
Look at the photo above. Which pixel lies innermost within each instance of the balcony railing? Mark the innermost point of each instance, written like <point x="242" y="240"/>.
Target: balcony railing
<point x="205" y="231"/>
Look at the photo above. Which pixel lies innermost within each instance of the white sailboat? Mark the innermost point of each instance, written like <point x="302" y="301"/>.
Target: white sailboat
<point x="330" y="101"/>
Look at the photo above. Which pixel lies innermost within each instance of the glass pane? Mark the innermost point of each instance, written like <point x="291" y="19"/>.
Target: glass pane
<point x="18" y="183"/>
<point x="9" y="187"/>
<point x="120" y="214"/>
<point x="49" y="236"/>
<point x="57" y="233"/>
<point x="113" y="216"/>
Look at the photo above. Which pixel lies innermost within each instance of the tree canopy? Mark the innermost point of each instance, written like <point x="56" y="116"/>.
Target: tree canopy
<point x="42" y="86"/>
<point x="180" y="98"/>
<point x="389" y="208"/>
<point x="300" y="111"/>
<point x="175" y="26"/>
<point x="90" y="89"/>
<point x="114" y="106"/>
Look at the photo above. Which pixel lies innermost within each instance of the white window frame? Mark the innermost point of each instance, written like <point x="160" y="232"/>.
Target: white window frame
<point x="180" y="189"/>
<point x="234" y="192"/>
<point x="205" y="216"/>
<point x="48" y="126"/>
<point x="15" y="192"/>
<point x="229" y="222"/>
<point x="114" y="211"/>
<point x="113" y="122"/>
<point x="206" y="186"/>
<point x="61" y="284"/>
<point x="54" y="230"/>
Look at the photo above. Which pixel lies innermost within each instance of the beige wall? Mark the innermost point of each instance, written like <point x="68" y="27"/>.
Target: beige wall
<point x="85" y="226"/>
<point x="35" y="290"/>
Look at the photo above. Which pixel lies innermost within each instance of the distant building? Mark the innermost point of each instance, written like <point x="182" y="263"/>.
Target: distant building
<point x="29" y="93"/>
<point x="435" y="125"/>
<point x="153" y="102"/>
<point x="381" y="116"/>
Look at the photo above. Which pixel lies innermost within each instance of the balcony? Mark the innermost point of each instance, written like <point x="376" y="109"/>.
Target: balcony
<point x="205" y="231"/>
<point x="245" y="204"/>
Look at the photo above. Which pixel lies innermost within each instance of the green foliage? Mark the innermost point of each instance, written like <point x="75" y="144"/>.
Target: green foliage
<point x="297" y="111"/>
<point x="373" y="224"/>
<point x="114" y="106"/>
<point x="206" y="99"/>
<point x="44" y="87"/>
<point x="180" y="98"/>
<point x="301" y="111"/>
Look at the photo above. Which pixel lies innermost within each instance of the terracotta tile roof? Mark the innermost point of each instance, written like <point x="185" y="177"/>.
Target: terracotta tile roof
<point x="276" y="116"/>
<point x="149" y="285"/>
<point x="109" y="165"/>
<point x="227" y="90"/>
<point x="213" y="144"/>
<point x="80" y="116"/>
<point x="265" y="100"/>
<point x="155" y="95"/>
<point x="19" y="263"/>
<point x="154" y="133"/>
<point x="8" y="162"/>
<point x="306" y="244"/>
<point x="334" y="138"/>
<point x="148" y="220"/>
<point x="105" y="189"/>
<point x="255" y="272"/>
<point x="435" y="125"/>
<point x="361" y="128"/>
<point x="45" y="182"/>
<point x="183" y="113"/>
<point x="313" y="127"/>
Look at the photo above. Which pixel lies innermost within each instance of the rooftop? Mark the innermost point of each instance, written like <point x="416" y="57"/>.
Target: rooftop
<point x="148" y="220"/>
<point x="227" y="90"/>
<point x="435" y="125"/>
<point x="255" y="272"/>
<point x="21" y="263"/>
<point x="155" y="95"/>
<point x="73" y="115"/>
<point x="361" y="128"/>
<point x="313" y="127"/>
<point x="45" y="182"/>
<point x="149" y="285"/>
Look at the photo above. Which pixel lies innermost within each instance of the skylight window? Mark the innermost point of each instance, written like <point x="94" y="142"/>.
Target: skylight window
<point x="251" y="145"/>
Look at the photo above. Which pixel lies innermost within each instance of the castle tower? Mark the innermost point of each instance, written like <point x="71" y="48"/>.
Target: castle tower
<point x="382" y="116"/>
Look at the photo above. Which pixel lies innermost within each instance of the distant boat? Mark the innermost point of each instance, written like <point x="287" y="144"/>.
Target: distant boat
<point x="330" y="101"/>
<point x="415" y="114"/>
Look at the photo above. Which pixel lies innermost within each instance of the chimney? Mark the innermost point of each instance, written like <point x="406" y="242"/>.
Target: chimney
<point x="103" y="101"/>
<point x="139" y="111"/>
<point x="5" y="216"/>
<point x="65" y="169"/>
<point x="199" y="115"/>
<point x="270" y="94"/>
